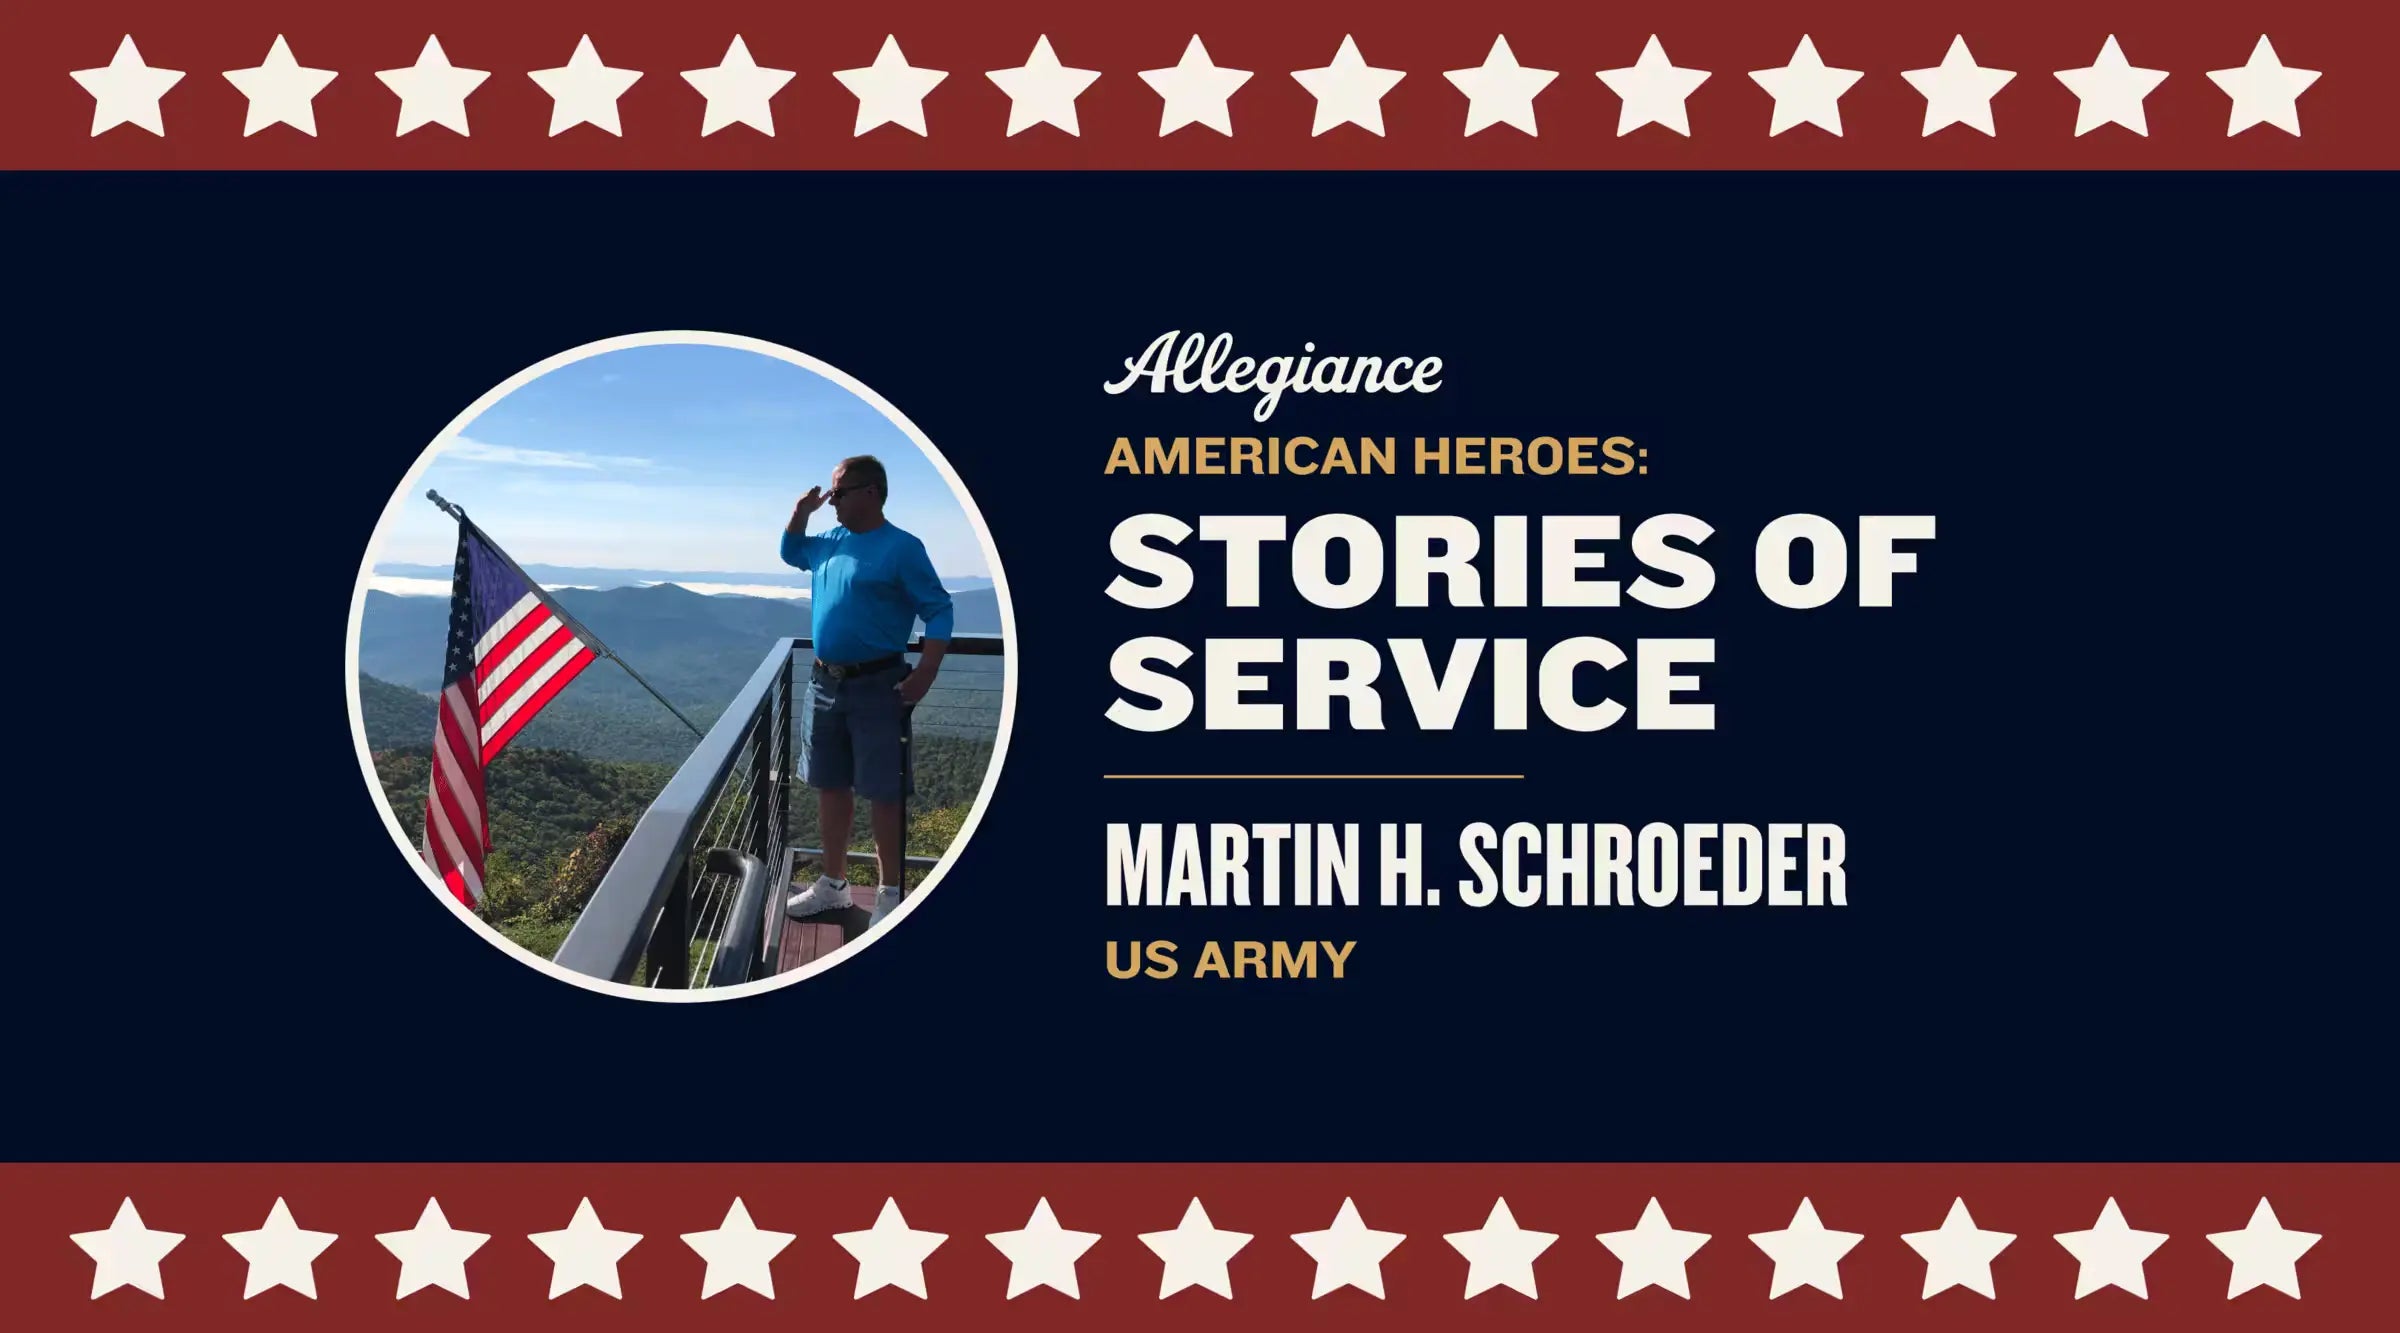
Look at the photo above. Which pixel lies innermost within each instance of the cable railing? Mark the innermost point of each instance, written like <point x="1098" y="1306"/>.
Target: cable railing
<point x="695" y="896"/>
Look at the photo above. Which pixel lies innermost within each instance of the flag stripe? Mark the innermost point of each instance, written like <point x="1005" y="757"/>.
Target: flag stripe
<point x="456" y="797"/>
<point x="533" y="622"/>
<point x="455" y="860"/>
<point x="503" y="703"/>
<point x="507" y="656"/>
<point x="515" y="722"/>
<point x="506" y="622"/>
<point x="549" y="641"/>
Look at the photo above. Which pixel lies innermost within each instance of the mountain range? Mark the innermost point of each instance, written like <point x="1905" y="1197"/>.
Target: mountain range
<point x="697" y="650"/>
<point x="594" y="577"/>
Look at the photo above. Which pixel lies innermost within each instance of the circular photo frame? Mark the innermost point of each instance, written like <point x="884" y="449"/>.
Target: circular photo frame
<point x="680" y="666"/>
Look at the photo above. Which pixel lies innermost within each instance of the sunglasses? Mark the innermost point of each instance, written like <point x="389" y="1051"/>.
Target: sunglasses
<point x="840" y="491"/>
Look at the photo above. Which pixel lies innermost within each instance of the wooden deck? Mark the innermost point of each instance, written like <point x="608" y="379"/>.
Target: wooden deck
<point x="807" y="940"/>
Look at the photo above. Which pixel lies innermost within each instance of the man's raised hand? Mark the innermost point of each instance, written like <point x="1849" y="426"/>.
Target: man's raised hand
<point x="809" y="504"/>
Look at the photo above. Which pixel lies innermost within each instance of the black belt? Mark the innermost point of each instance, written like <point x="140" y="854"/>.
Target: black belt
<point x="845" y="670"/>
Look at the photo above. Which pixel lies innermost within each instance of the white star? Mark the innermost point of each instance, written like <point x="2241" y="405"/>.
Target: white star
<point x="433" y="91"/>
<point x="280" y="1254"/>
<point x="890" y="1254"/>
<point x="1959" y="1254"/>
<point x="584" y="91"/>
<point x="2264" y="1254"/>
<point x="125" y="91"/>
<point x="1349" y="91"/>
<point x="2111" y="1253"/>
<point x="738" y="1253"/>
<point x="1196" y="90"/>
<point x="127" y="1254"/>
<point x="1042" y="90"/>
<point x="891" y="91"/>
<point x="1042" y="1253"/>
<point x="1806" y="91"/>
<point x="1653" y="89"/>
<point x="2109" y="89"/>
<point x="1500" y="91"/>
<point x="738" y="90"/>
<point x="585" y="1254"/>
<point x="1196" y="1254"/>
<point x="1653" y="1253"/>
<point x="281" y="91"/>
<point x="1806" y="1254"/>
<point x="2265" y="92"/>
<point x="1348" y="1254"/>
<point x="1501" y="1253"/>
<point x="432" y="1253"/>
<point x="1958" y="91"/>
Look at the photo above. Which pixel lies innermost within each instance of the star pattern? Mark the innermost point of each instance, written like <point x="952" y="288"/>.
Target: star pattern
<point x="280" y="91"/>
<point x="127" y="1253"/>
<point x="1806" y="1254"/>
<point x="890" y="91"/>
<point x="1958" y="1253"/>
<point x="126" y="91"/>
<point x="1196" y="1254"/>
<point x="1653" y="90"/>
<point x="1500" y="1253"/>
<point x="2110" y="1253"/>
<point x="2111" y="90"/>
<point x="2265" y="91"/>
<point x="1806" y="91"/>
<point x="2264" y="1253"/>
<point x="1653" y="1253"/>
<point x="1500" y="91"/>
<point x="584" y="1253"/>
<point x="1042" y="91"/>
<point x="738" y="1253"/>
<point x="1347" y="90"/>
<point x="280" y="1253"/>
<point x="433" y="91"/>
<point x="432" y="1253"/>
<point x="890" y="1253"/>
<point x="1349" y="1253"/>
<point x="1042" y="1253"/>
<point x="1196" y="91"/>
<point x="738" y="90"/>
<point x="1196" y="1258"/>
<point x="1958" y="91"/>
<point x="584" y="91"/>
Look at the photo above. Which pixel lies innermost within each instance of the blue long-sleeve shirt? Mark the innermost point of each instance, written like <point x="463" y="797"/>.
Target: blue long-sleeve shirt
<point x="867" y="590"/>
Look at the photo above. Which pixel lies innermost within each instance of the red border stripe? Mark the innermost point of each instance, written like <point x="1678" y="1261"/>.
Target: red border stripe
<point x="2350" y="118"/>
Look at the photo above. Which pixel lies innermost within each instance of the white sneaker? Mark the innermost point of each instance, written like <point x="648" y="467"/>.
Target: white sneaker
<point x="826" y="895"/>
<point x="887" y="897"/>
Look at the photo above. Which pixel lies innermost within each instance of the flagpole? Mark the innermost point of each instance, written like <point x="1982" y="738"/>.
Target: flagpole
<point x="561" y="612"/>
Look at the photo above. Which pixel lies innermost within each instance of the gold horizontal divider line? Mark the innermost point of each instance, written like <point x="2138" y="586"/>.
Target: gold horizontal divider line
<point x="1314" y="777"/>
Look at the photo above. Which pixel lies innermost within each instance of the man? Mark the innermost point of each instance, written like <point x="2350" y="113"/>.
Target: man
<point x="869" y="583"/>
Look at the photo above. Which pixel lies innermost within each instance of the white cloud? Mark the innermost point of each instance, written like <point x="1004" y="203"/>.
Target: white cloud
<point x="399" y="585"/>
<point x="408" y="587"/>
<point x="461" y="449"/>
<point x="743" y="589"/>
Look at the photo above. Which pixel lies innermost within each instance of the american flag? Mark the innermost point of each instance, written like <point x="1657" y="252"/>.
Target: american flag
<point x="509" y="655"/>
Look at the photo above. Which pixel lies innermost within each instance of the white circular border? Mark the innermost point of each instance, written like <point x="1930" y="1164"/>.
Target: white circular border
<point x="406" y="493"/>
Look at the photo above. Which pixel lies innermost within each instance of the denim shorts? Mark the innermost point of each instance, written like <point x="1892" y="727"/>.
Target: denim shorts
<point x="856" y="733"/>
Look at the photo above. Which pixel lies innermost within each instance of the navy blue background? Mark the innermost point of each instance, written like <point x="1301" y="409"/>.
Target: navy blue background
<point x="2118" y="878"/>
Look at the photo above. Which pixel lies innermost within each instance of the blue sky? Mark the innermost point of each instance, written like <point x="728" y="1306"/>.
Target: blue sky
<point x="678" y="457"/>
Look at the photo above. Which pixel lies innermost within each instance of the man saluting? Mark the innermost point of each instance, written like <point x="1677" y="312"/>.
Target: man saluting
<point x="869" y="583"/>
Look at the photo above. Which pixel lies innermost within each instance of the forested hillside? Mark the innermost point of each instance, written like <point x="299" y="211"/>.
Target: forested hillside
<point x="571" y="787"/>
<point x="559" y="818"/>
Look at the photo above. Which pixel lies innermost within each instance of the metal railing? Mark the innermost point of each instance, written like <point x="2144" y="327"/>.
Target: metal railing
<point x="695" y="896"/>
